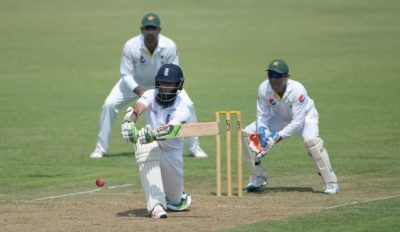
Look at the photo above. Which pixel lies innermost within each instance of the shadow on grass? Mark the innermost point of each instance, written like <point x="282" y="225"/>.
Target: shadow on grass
<point x="134" y="213"/>
<point x="122" y="154"/>
<point x="285" y="189"/>
<point x="264" y="190"/>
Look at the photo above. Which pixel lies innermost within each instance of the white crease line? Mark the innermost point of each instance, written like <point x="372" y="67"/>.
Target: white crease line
<point x="65" y="195"/>
<point x="361" y="202"/>
<point x="120" y="186"/>
<point x="78" y="193"/>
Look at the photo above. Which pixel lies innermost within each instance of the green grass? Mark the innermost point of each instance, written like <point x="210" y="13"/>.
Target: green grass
<point x="59" y="60"/>
<point x="372" y="216"/>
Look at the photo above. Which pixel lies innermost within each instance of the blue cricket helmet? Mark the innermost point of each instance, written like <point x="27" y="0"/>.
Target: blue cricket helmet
<point x="168" y="74"/>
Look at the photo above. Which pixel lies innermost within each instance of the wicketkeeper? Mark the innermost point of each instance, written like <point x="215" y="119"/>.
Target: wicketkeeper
<point x="160" y="162"/>
<point x="285" y="109"/>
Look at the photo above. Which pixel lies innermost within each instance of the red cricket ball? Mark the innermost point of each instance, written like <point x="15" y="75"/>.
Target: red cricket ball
<point x="100" y="182"/>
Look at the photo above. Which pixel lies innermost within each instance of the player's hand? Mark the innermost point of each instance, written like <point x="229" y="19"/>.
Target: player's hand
<point x="261" y="144"/>
<point x="129" y="132"/>
<point x="146" y="135"/>
<point x="258" y="141"/>
<point x="128" y="114"/>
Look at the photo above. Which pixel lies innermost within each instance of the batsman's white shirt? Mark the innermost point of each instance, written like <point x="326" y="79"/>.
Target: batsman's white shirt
<point x="171" y="150"/>
<point x="139" y="67"/>
<point x="294" y="109"/>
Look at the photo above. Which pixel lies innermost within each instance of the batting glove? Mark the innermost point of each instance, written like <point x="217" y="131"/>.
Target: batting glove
<point x="146" y="135"/>
<point x="129" y="132"/>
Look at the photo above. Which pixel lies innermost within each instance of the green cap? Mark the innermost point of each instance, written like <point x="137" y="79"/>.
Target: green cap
<point x="279" y="66"/>
<point x="151" y="19"/>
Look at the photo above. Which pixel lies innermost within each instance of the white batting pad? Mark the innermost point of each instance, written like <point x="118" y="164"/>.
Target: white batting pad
<point x="148" y="159"/>
<point x="315" y="148"/>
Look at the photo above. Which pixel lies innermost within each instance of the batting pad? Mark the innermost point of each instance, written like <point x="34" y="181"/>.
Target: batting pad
<point x="315" y="148"/>
<point x="148" y="159"/>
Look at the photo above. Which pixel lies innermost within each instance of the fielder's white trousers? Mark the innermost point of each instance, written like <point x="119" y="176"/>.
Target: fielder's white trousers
<point x="117" y="99"/>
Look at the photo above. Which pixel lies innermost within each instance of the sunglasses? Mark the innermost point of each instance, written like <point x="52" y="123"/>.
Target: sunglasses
<point x="275" y="75"/>
<point x="150" y="28"/>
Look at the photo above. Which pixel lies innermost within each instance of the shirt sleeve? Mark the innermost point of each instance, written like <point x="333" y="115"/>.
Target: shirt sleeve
<point x="299" y="110"/>
<point x="173" y="57"/>
<point x="127" y="68"/>
<point x="147" y="98"/>
<point x="263" y="109"/>
<point x="181" y="115"/>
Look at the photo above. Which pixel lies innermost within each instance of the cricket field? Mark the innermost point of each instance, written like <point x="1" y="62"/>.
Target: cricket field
<point x="59" y="60"/>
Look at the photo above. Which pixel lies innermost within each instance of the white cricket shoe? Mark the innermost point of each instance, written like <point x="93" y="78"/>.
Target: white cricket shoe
<point x="256" y="182"/>
<point x="97" y="154"/>
<point x="185" y="203"/>
<point x="198" y="153"/>
<point x="332" y="188"/>
<point x="158" y="212"/>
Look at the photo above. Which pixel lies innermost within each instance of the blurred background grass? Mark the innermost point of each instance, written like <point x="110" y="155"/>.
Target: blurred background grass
<point x="60" y="59"/>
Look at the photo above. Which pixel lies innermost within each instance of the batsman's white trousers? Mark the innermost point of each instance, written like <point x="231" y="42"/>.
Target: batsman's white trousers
<point x="171" y="164"/>
<point x="117" y="99"/>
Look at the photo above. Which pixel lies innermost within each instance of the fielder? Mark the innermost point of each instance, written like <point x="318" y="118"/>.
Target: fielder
<point x="160" y="162"/>
<point x="142" y="56"/>
<point x="285" y="109"/>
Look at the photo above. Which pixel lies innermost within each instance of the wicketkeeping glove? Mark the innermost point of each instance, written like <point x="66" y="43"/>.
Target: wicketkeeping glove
<point x="146" y="135"/>
<point x="260" y="143"/>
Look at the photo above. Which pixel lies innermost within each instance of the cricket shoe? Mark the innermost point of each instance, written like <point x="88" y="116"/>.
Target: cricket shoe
<point x="185" y="203"/>
<point x="331" y="188"/>
<point x="158" y="212"/>
<point x="97" y="154"/>
<point x="198" y="153"/>
<point x="256" y="182"/>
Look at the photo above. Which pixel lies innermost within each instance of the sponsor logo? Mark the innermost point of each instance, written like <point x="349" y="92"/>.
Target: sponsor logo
<point x="142" y="59"/>
<point x="301" y="98"/>
<point x="272" y="101"/>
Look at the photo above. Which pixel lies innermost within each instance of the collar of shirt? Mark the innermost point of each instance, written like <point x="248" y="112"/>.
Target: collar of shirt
<point x="289" y="89"/>
<point x="160" y="45"/>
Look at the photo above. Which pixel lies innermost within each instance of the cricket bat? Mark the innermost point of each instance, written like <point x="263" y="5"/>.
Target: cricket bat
<point x="186" y="130"/>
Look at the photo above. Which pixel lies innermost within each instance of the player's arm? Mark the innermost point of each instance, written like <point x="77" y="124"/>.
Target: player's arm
<point x="262" y="141"/>
<point x="263" y="113"/>
<point x="137" y="110"/>
<point x="172" y="55"/>
<point x="128" y="128"/>
<point x="299" y="111"/>
<point x="127" y="70"/>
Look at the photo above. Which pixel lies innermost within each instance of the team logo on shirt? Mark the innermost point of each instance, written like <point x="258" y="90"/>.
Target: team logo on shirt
<point x="301" y="98"/>
<point x="272" y="101"/>
<point x="142" y="59"/>
<point x="167" y="119"/>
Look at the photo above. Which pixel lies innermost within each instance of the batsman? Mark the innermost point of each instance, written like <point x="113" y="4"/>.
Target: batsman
<point x="284" y="109"/>
<point x="160" y="161"/>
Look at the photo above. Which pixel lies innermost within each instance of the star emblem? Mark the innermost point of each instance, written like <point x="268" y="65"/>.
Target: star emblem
<point x="275" y="63"/>
<point x="150" y="17"/>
